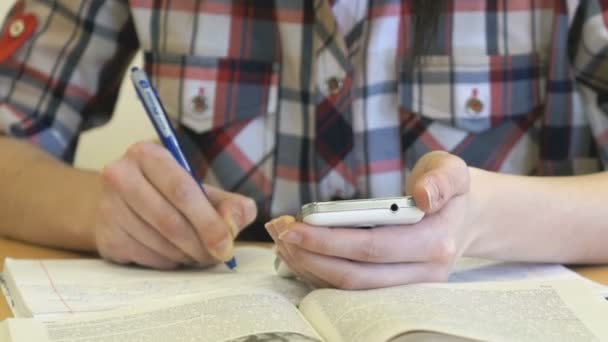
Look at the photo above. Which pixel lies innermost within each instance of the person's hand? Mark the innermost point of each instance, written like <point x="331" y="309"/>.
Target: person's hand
<point x="351" y="258"/>
<point x="153" y="213"/>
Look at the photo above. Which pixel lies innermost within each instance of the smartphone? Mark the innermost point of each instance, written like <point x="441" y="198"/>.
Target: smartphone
<point x="362" y="213"/>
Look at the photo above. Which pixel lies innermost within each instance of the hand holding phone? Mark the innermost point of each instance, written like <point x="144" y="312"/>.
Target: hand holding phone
<point x="362" y="213"/>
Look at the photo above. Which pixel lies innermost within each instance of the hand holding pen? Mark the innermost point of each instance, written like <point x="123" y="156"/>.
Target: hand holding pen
<point x="154" y="213"/>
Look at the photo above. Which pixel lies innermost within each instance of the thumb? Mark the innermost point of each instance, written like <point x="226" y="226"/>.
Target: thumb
<point x="238" y="211"/>
<point x="436" y="178"/>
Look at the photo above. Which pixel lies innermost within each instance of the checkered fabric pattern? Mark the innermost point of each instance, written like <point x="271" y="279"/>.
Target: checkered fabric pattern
<point x="292" y="101"/>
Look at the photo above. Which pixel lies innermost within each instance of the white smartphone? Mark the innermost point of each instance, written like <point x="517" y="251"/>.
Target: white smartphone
<point x="362" y="213"/>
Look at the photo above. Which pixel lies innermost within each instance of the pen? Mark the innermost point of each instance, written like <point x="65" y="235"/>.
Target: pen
<point x="157" y="114"/>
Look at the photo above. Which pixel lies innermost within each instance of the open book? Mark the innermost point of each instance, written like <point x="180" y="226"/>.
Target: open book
<point x="562" y="310"/>
<point x="49" y="289"/>
<point x="254" y="304"/>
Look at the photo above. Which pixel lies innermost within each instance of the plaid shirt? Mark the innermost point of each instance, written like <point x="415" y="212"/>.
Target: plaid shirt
<point x="292" y="101"/>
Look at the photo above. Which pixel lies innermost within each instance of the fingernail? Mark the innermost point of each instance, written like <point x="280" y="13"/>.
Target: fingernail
<point x="432" y="192"/>
<point x="291" y="237"/>
<point x="280" y="224"/>
<point x="224" y="249"/>
<point x="270" y="229"/>
<point x="234" y="227"/>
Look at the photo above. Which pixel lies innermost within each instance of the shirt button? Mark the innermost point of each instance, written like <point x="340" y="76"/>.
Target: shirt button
<point x="199" y="104"/>
<point x="474" y="106"/>
<point x="17" y="28"/>
<point x="334" y="85"/>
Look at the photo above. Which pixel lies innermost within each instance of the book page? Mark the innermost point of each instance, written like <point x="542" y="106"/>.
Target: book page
<point x="4" y="336"/>
<point x="239" y="316"/>
<point x="566" y="310"/>
<point x="476" y="269"/>
<point x="48" y="289"/>
<point x="17" y="330"/>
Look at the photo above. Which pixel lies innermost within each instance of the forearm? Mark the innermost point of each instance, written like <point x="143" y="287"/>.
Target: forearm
<point x="43" y="200"/>
<point x="546" y="219"/>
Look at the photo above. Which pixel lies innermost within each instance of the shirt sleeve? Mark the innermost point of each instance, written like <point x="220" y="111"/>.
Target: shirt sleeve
<point x="61" y="66"/>
<point x="588" y="45"/>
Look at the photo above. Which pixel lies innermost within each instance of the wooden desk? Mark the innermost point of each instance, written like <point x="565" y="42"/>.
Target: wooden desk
<point x="15" y="249"/>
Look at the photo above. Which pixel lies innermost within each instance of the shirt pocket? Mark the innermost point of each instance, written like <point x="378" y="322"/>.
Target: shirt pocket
<point x="207" y="93"/>
<point x="226" y="113"/>
<point x="473" y="93"/>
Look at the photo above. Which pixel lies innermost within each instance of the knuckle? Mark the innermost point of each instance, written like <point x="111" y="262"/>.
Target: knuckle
<point x="180" y="257"/>
<point x="456" y="173"/>
<point x="157" y="262"/>
<point x="114" y="247"/>
<point x="443" y="251"/>
<point x="183" y="193"/>
<point x="439" y="274"/>
<point x="170" y="252"/>
<point x="120" y="259"/>
<point x="211" y="239"/>
<point x="430" y="157"/>
<point x="318" y="245"/>
<point x="251" y="209"/>
<point x="349" y="281"/>
<point x="138" y="150"/>
<point x="456" y="162"/>
<point x="296" y="254"/>
<point x="170" y="224"/>
<point x="112" y="174"/>
<point x="111" y="249"/>
<point x="439" y="153"/>
<point x="368" y="250"/>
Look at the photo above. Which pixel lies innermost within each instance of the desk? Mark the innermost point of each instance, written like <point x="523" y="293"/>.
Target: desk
<point x="13" y="249"/>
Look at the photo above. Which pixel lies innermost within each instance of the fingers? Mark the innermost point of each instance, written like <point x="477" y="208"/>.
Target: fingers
<point x="118" y="246"/>
<point x="385" y="256"/>
<point x="283" y="251"/>
<point x="184" y="194"/>
<point x="425" y="242"/>
<point x="125" y="178"/>
<point x="362" y="259"/>
<point x="436" y="178"/>
<point x="158" y="205"/>
<point x="237" y="210"/>
<point x="351" y="275"/>
<point x="142" y="232"/>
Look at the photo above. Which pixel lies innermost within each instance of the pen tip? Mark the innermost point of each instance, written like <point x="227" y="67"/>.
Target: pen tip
<point x="231" y="264"/>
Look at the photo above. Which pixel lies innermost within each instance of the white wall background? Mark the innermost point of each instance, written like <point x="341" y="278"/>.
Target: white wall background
<point x="129" y="124"/>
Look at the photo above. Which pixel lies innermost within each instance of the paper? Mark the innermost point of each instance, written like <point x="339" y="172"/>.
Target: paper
<point x="48" y="289"/>
<point x="560" y="310"/>
<point x="223" y="316"/>
<point x="474" y="270"/>
<point x="52" y="288"/>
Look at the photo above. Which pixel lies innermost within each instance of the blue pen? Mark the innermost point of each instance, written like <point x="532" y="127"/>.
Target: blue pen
<point x="157" y="114"/>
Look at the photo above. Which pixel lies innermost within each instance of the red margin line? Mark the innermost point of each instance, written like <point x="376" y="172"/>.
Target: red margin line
<point x="55" y="288"/>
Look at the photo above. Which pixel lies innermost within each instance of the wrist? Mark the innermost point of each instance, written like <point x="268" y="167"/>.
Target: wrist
<point x="87" y="192"/>
<point x="477" y="210"/>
